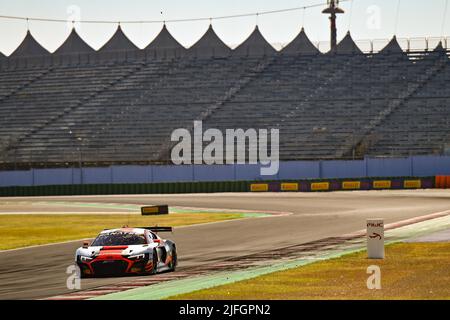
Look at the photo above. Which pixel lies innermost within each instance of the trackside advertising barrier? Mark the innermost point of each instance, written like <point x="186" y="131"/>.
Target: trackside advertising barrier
<point x="347" y="185"/>
<point x="323" y="185"/>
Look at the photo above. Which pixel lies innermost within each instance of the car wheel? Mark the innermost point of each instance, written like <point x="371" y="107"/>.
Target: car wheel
<point x="173" y="263"/>
<point x="155" y="262"/>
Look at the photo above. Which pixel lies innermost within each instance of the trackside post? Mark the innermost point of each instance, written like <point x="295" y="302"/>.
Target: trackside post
<point x="375" y="238"/>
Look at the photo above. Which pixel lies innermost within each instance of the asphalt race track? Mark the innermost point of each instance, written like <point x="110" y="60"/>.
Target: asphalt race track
<point x="40" y="272"/>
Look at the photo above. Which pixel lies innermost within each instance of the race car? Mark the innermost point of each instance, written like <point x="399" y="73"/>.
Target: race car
<point x="127" y="251"/>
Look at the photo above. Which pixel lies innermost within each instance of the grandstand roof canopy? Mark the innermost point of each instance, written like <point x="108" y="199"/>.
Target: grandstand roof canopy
<point x="301" y="45"/>
<point x="164" y="41"/>
<point x="392" y="47"/>
<point x="255" y="44"/>
<point x="210" y="44"/>
<point x="74" y="44"/>
<point x="347" y="46"/>
<point x="29" y="47"/>
<point x="439" y="47"/>
<point x="118" y="42"/>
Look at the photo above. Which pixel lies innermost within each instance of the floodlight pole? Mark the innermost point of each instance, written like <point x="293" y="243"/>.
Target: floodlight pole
<point x="332" y="10"/>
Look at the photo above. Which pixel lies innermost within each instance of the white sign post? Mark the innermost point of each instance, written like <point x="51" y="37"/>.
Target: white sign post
<point x="375" y="238"/>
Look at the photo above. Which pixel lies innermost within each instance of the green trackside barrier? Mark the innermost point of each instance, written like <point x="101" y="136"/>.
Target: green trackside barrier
<point x="209" y="186"/>
<point x="244" y="186"/>
<point x="77" y="189"/>
<point x="151" y="188"/>
<point x="214" y="186"/>
<point x="15" y="191"/>
<point x="42" y="190"/>
<point x="194" y="187"/>
<point x="66" y="190"/>
<point x="143" y="188"/>
<point x="134" y="189"/>
<point x="51" y="189"/>
<point x="59" y="190"/>
<point x="23" y="191"/>
<point x="128" y="189"/>
<point x="180" y="187"/>
<point x="174" y="188"/>
<point x="123" y="189"/>
<point x="62" y="190"/>
<point x="170" y="188"/>
<point x="100" y="189"/>
<point x="115" y="189"/>
<point x="91" y="189"/>
<point x="109" y="189"/>
<point x="140" y="188"/>
<point x="165" y="188"/>
<point x="189" y="187"/>
<point x="183" y="187"/>
<point x="155" y="188"/>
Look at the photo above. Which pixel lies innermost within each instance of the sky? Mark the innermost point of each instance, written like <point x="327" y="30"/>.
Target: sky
<point x="366" y="20"/>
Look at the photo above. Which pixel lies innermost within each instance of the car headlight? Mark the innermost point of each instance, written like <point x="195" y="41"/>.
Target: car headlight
<point x="137" y="256"/>
<point x="85" y="259"/>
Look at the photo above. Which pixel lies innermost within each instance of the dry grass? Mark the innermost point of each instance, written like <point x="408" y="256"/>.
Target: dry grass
<point x="32" y="229"/>
<point x="410" y="271"/>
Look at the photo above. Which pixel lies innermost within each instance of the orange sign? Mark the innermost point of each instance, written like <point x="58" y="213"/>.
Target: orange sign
<point x="351" y="185"/>
<point x="382" y="184"/>
<point x="412" y="184"/>
<point x="259" y="187"/>
<point x="320" y="186"/>
<point x="289" y="187"/>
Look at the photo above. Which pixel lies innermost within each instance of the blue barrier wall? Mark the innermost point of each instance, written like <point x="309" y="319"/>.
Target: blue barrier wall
<point x="419" y="166"/>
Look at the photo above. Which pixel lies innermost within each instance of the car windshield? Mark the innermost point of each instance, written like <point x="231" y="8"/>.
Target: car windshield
<point x="119" y="238"/>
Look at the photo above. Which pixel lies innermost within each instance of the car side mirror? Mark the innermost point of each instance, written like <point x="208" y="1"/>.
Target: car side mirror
<point x="85" y="244"/>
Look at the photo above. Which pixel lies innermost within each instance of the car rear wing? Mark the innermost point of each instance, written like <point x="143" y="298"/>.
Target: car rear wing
<point x="158" y="229"/>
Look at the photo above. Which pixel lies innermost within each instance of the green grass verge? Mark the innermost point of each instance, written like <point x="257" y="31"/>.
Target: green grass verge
<point x="410" y="271"/>
<point x="22" y="230"/>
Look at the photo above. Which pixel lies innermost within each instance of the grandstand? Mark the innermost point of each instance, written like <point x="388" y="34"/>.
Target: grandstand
<point x="119" y="105"/>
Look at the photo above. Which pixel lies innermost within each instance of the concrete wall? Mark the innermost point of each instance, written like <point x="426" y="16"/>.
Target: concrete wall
<point x="420" y="166"/>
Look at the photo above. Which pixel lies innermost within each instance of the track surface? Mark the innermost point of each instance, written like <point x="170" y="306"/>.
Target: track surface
<point x="39" y="272"/>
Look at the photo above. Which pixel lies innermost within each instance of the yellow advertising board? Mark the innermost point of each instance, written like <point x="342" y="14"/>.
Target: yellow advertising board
<point x="412" y="184"/>
<point x="259" y="187"/>
<point x="289" y="187"/>
<point x="154" y="210"/>
<point x="351" y="185"/>
<point x="382" y="184"/>
<point x="320" y="186"/>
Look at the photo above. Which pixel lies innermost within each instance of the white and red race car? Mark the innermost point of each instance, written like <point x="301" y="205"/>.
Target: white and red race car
<point x="127" y="251"/>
